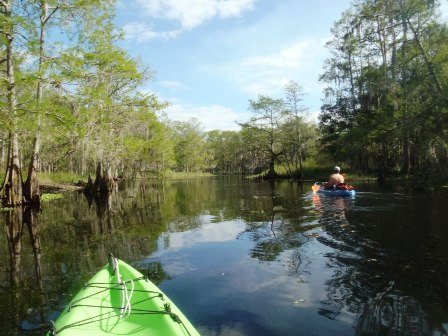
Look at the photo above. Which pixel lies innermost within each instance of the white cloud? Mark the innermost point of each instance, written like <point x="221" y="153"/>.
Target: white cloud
<point x="444" y="10"/>
<point x="268" y="74"/>
<point x="173" y="85"/>
<point x="144" y="32"/>
<point x="206" y="233"/>
<point x="192" y="13"/>
<point x="210" y="117"/>
<point x="287" y="58"/>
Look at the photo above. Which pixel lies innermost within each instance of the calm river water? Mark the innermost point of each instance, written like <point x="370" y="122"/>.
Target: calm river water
<point x="240" y="257"/>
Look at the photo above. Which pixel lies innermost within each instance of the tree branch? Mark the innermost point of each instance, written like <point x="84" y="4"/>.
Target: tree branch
<point x="425" y="57"/>
<point x="55" y="9"/>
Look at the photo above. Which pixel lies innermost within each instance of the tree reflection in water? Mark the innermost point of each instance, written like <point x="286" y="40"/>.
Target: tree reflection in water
<point x="392" y="312"/>
<point x="358" y="285"/>
<point x="272" y="227"/>
<point x="76" y="247"/>
<point x="24" y="287"/>
<point x="361" y="266"/>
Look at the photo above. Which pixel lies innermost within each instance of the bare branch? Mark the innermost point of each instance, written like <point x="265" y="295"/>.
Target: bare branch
<point x="55" y="9"/>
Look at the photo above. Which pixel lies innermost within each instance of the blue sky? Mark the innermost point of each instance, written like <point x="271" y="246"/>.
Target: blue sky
<point x="211" y="56"/>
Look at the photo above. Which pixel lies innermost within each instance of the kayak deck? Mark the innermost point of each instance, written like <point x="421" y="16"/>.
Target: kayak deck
<point x="346" y="191"/>
<point x="119" y="300"/>
<point x="336" y="192"/>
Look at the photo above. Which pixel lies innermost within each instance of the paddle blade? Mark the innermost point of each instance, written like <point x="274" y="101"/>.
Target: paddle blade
<point x="315" y="187"/>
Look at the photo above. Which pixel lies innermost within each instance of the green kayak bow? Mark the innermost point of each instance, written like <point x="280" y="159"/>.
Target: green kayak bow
<point x="119" y="300"/>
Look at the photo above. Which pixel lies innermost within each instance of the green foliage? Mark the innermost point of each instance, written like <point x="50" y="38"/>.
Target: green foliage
<point x="184" y="175"/>
<point x="189" y="146"/>
<point x="60" y="177"/>
<point x="50" y="197"/>
<point x="226" y="149"/>
<point x="278" y="134"/>
<point x="386" y="107"/>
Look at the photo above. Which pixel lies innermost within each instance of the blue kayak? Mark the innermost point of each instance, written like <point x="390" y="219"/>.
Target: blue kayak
<point x="337" y="192"/>
<point x="345" y="192"/>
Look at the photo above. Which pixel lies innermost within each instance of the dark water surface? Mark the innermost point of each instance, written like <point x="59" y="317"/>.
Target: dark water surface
<point x="240" y="257"/>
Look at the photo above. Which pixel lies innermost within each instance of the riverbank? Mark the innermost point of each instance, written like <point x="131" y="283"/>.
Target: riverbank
<point x="59" y="182"/>
<point x="54" y="187"/>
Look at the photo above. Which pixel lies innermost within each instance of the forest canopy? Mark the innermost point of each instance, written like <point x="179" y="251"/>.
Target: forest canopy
<point x="71" y="101"/>
<point x="386" y="103"/>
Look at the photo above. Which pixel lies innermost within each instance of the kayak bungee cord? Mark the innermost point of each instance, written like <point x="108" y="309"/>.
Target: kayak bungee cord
<point x="125" y="308"/>
<point x="138" y="308"/>
<point x="54" y="331"/>
<point x="116" y="286"/>
<point x="126" y="299"/>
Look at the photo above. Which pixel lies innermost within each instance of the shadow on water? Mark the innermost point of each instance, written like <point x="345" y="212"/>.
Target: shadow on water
<point x="274" y="221"/>
<point x="385" y="262"/>
<point x="77" y="241"/>
<point x="386" y="252"/>
<point x="25" y="295"/>
<point x="372" y="265"/>
<point x="70" y="240"/>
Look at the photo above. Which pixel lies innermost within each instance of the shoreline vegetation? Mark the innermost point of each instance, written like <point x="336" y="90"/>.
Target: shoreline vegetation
<point x="59" y="182"/>
<point x="79" y="106"/>
<point x="52" y="183"/>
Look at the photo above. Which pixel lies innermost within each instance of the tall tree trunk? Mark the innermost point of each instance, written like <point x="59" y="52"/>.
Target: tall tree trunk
<point x="12" y="190"/>
<point x="31" y="188"/>
<point x="422" y="50"/>
<point x="271" y="172"/>
<point x="13" y="187"/>
<point x="406" y="166"/>
<point x="104" y="181"/>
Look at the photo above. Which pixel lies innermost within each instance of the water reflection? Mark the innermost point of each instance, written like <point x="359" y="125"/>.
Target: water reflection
<point x="77" y="242"/>
<point x="392" y="312"/>
<point x="274" y="225"/>
<point x="271" y="258"/>
<point x="103" y="206"/>
<point x="360" y="285"/>
<point x="24" y="286"/>
<point x="205" y="233"/>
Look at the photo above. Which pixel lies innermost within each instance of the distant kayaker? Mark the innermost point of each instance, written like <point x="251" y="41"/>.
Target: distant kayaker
<point x="335" y="178"/>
